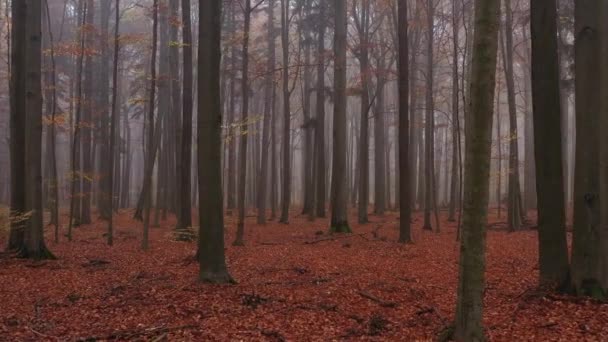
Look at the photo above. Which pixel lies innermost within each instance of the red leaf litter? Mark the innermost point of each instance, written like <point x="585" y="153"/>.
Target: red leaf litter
<point x="295" y="283"/>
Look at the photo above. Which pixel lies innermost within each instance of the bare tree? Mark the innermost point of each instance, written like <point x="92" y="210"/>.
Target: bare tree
<point x="211" y="214"/>
<point x="469" y="306"/>
<point x="339" y="196"/>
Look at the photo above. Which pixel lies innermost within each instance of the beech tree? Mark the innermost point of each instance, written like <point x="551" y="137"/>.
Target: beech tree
<point x="339" y="196"/>
<point x="553" y="248"/>
<point x="27" y="235"/>
<point x="471" y="281"/>
<point x="211" y="214"/>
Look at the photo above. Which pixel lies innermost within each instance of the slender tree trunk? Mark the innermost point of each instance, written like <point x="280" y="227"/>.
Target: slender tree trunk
<point x="268" y="111"/>
<point x="231" y="140"/>
<point x="471" y="285"/>
<point x="87" y="117"/>
<point x="429" y="125"/>
<point x="405" y="235"/>
<point x="239" y="240"/>
<point x="185" y="212"/>
<point x="150" y="160"/>
<point x="514" y="213"/>
<point x="320" y="113"/>
<point x="339" y="196"/>
<point x="455" y="114"/>
<point x="114" y="119"/>
<point x="75" y="196"/>
<point x="286" y="179"/>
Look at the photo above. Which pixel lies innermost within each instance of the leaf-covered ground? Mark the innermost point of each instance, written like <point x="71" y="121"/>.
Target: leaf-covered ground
<point x="295" y="283"/>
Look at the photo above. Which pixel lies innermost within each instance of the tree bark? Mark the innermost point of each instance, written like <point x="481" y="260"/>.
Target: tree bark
<point x="244" y="134"/>
<point x="405" y="235"/>
<point x="339" y="196"/>
<point x="212" y="260"/>
<point x="469" y="306"/>
<point x="553" y="248"/>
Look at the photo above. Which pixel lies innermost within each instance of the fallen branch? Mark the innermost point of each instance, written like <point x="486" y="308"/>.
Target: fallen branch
<point x="334" y="238"/>
<point x="129" y="334"/>
<point x="38" y="333"/>
<point x="381" y="302"/>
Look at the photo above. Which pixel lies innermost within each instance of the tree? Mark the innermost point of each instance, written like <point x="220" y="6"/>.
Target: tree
<point x="211" y="214"/>
<point x="75" y="160"/>
<point x="603" y="160"/>
<point x="553" y="248"/>
<point x="238" y="241"/>
<point x="362" y="24"/>
<point x="514" y="208"/>
<point x="585" y="239"/>
<point x="185" y="210"/>
<point x="286" y="176"/>
<point x="321" y="191"/>
<point x="429" y="124"/>
<point x="405" y="211"/>
<point x="477" y="172"/>
<point x="27" y="234"/>
<point x="339" y="214"/>
<point x="151" y="141"/>
<point x="113" y="120"/>
<point x="269" y="96"/>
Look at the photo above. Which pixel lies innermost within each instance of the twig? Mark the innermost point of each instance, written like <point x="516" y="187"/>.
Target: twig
<point x="333" y="238"/>
<point x="382" y="303"/>
<point x="38" y="333"/>
<point x="129" y="334"/>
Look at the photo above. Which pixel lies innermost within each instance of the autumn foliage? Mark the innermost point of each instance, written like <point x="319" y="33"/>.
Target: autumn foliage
<point x="294" y="283"/>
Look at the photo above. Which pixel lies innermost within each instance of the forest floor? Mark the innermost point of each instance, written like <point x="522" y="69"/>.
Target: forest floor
<point x="295" y="283"/>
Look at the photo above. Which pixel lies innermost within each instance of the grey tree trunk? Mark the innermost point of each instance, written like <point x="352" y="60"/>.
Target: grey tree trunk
<point x="586" y="223"/>
<point x="185" y="165"/>
<point x="455" y="167"/>
<point x="239" y="239"/>
<point x="514" y="218"/>
<point x="553" y="248"/>
<point x="339" y="195"/>
<point x="212" y="260"/>
<point x="320" y="179"/>
<point x="429" y="124"/>
<point x="269" y="89"/>
<point x="405" y="211"/>
<point x="113" y="120"/>
<point x="286" y="170"/>
<point x="151" y="141"/>
<point x="469" y="308"/>
<point x="27" y="235"/>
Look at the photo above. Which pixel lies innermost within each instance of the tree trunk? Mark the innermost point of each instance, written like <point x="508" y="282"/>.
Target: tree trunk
<point x="114" y="121"/>
<point x="87" y="117"/>
<point x="151" y="141"/>
<point x="553" y="248"/>
<point x="239" y="240"/>
<point x="339" y="196"/>
<point x="477" y="173"/>
<point x="586" y="223"/>
<point x="185" y="211"/>
<point x="27" y="234"/>
<point x="429" y="125"/>
<point x="455" y="118"/>
<point x="211" y="215"/>
<point x="405" y="235"/>
<point x="269" y="89"/>
<point x="286" y="179"/>
<point x="320" y="179"/>
<point x="514" y="218"/>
